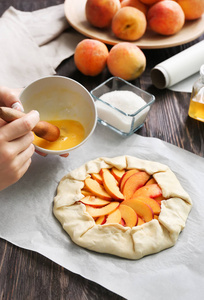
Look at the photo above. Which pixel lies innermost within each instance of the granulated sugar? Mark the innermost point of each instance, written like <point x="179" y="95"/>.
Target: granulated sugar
<point x="116" y="102"/>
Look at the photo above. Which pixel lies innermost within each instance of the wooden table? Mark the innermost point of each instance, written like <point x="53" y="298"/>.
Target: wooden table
<point x="28" y="275"/>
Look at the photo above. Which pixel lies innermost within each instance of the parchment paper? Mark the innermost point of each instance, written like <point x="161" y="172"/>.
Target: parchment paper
<point x="26" y="220"/>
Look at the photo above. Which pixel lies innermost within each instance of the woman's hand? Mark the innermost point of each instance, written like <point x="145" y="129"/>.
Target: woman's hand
<point x="16" y="148"/>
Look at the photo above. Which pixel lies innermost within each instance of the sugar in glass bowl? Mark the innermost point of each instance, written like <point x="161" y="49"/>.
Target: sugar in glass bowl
<point x="64" y="101"/>
<point x="121" y="106"/>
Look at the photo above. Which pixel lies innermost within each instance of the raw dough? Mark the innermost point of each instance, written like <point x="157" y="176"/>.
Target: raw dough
<point x="131" y="243"/>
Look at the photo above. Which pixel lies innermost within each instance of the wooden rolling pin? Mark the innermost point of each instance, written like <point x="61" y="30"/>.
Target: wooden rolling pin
<point x="43" y="129"/>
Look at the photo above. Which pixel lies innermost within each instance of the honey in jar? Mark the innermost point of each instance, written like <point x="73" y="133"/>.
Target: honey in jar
<point x="196" y="107"/>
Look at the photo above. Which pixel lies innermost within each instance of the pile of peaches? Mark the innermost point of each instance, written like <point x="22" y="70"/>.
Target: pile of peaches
<point x="126" y="197"/>
<point x="129" y="19"/>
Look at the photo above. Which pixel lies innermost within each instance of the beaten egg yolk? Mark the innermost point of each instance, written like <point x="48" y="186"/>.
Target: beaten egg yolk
<point x="72" y="133"/>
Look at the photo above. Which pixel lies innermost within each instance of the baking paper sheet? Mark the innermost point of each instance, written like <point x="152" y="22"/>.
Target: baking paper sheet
<point x="26" y="220"/>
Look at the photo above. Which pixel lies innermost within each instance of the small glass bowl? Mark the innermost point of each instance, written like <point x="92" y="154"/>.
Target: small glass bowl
<point x="118" y="120"/>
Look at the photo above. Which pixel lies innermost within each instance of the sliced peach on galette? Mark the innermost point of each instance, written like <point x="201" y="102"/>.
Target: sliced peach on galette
<point x="118" y="174"/>
<point x="123" y="206"/>
<point x="133" y="183"/>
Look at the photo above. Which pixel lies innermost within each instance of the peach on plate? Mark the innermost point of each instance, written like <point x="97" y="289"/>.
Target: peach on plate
<point x="99" y="13"/>
<point x="150" y="2"/>
<point x="166" y="17"/>
<point x="126" y="60"/>
<point x="129" y="23"/>
<point x="90" y="57"/>
<point x="193" y="9"/>
<point x="135" y="3"/>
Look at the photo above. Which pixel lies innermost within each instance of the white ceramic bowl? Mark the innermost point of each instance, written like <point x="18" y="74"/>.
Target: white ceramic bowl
<point x="60" y="98"/>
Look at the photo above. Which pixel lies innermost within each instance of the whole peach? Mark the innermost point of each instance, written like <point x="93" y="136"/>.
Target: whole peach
<point x="166" y="17"/>
<point x="90" y="57"/>
<point x="126" y="60"/>
<point x="129" y="24"/>
<point x="193" y="9"/>
<point x="150" y="2"/>
<point x="99" y="13"/>
<point x="135" y="3"/>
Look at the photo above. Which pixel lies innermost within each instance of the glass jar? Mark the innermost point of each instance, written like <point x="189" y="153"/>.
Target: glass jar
<point x="196" y="107"/>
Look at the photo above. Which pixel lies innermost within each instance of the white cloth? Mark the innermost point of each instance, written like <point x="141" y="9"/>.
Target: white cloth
<point x="33" y="44"/>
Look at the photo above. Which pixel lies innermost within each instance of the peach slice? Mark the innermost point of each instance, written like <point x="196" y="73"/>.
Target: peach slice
<point x="86" y="193"/>
<point x="126" y="175"/>
<point x="142" y="209"/>
<point x="128" y="215"/>
<point x="97" y="177"/>
<point x="114" y="217"/>
<point x="151" y="181"/>
<point x="133" y="183"/>
<point x="159" y="199"/>
<point x="118" y="174"/>
<point x="152" y="203"/>
<point x="100" y="220"/>
<point x="140" y="221"/>
<point x="96" y="189"/>
<point x="110" y="185"/>
<point x="122" y="222"/>
<point x="151" y="190"/>
<point x="93" y="201"/>
<point x="105" y="210"/>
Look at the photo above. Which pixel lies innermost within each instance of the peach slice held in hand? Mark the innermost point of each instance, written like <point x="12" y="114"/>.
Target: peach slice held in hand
<point x="96" y="189"/>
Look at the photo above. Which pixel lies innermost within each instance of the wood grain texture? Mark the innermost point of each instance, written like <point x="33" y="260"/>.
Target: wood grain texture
<point x="28" y="275"/>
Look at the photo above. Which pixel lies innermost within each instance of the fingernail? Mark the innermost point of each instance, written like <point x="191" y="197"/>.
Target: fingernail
<point x="18" y="106"/>
<point x="37" y="112"/>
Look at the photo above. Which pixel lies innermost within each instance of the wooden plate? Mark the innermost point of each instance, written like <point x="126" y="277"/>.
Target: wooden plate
<point x="75" y="14"/>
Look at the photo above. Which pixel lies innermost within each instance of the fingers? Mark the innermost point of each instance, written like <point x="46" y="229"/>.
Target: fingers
<point x="9" y="96"/>
<point x="20" y="127"/>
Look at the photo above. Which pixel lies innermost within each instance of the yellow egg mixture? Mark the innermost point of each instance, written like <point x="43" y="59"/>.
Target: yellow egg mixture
<point x="72" y="133"/>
